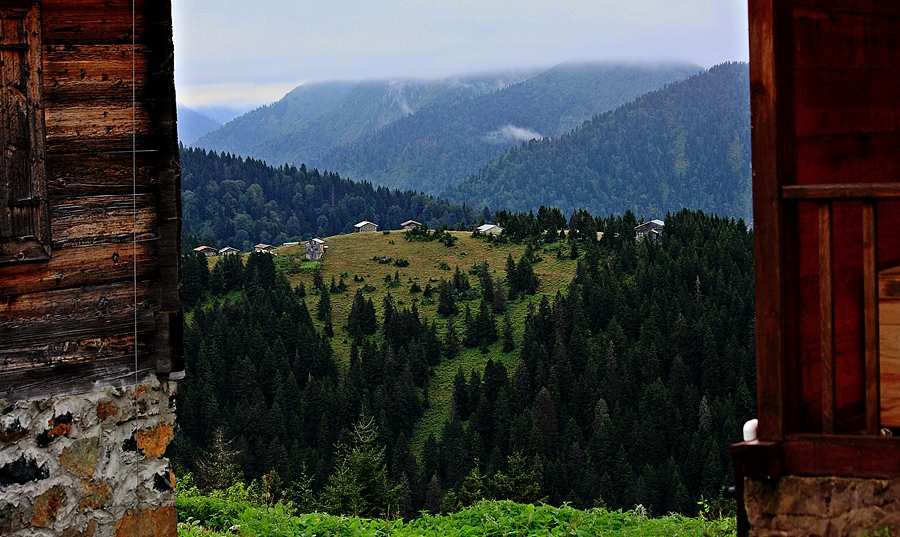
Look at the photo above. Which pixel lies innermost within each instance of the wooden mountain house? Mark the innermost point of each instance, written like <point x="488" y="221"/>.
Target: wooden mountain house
<point x="89" y="261"/>
<point x="825" y="97"/>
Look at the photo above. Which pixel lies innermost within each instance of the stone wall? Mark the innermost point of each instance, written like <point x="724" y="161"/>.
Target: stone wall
<point x="89" y="465"/>
<point x="807" y="506"/>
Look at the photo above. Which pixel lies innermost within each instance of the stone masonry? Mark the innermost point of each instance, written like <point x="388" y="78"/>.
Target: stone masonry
<point x="822" y="506"/>
<point x="89" y="465"/>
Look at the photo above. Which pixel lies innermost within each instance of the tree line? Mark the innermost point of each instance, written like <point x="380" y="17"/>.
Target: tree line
<point x="233" y="201"/>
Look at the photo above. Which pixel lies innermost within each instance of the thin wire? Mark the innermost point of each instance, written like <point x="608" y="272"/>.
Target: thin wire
<point x="134" y="258"/>
<point x="134" y="190"/>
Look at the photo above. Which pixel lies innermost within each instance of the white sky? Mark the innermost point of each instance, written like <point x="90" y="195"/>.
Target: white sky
<point x="247" y="53"/>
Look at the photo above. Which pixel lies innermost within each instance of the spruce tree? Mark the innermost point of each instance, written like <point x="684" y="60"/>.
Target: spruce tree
<point x="446" y="302"/>
<point x="323" y="309"/>
<point x="359" y="485"/>
<point x="452" y="346"/>
<point x="507" y="336"/>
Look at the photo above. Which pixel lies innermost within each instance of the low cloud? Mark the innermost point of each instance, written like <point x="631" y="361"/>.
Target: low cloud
<point x="511" y="134"/>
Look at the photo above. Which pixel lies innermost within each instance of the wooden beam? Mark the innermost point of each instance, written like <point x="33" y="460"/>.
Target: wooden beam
<point x="95" y="73"/>
<point x="770" y="82"/>
<point x="77" y="267"/>
<point x="842" y="456"/>
<point x="844" y="191"/>
<point x="70" y="378"/>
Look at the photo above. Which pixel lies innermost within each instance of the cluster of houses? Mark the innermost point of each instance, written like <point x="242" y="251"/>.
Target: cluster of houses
<point x="209" y="251"/>
<point x="315" y="247"/>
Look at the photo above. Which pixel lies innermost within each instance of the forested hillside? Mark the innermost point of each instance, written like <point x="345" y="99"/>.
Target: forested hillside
<point x="686" y="145"/>
<point x="443" y="144"/>
<point x="228" y="200"/>
<point x="316" y="117"/>
<point x="625" y="387"/>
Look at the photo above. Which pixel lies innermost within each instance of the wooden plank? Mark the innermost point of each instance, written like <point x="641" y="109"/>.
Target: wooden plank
<point x="76" y="267"/>
<point x="91" y="220"/>
<point x="37" y="130"/>
<point x="844" y="102"/>
<point x="858" y="158"/>
<point x="870" y="318"/>
<point x="117" y="369"/>
<point x="842" y="456"/>
<point x="95" y="72"/>
<point x="889" y="377"/>
<point x="71" y="315"/>
<point x="832" y="7"/>
<point x="846" y="41"/>
<point x="68" y="340"/>
<point x="889" y="283"/>
<point x="73" y="175"/>
<point x="889" y="312"/>
<point x="170" y="266"/>
<point x="89" y="300"/>
<point x="856" y="89"/>
<point x="93" y="22"/>
<point x="106" y="125"/>
<point x="836" y="191"/>
<point x="889" y="339"/>
<point x="826" y="317"/>
<point x="848" y="317"/>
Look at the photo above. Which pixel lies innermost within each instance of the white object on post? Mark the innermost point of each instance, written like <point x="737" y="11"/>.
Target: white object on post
<point x="750" y="430"/>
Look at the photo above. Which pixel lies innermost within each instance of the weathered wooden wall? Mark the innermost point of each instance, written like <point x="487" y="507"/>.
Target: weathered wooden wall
<point x="847" y="128"/>
<point x="68" y="324"/>
<point x="826" y="129"/>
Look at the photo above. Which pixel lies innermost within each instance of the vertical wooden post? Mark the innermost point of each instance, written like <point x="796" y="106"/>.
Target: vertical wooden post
<point x="826" y="315"/>
<point x="771" y="81"/>
<point x="870" y="315"/>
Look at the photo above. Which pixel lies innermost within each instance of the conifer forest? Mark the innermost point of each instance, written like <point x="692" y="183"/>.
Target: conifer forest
<point x="624" y="388"/>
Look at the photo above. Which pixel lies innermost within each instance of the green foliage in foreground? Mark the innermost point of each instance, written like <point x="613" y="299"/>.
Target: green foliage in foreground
<point x="224" y="514"/>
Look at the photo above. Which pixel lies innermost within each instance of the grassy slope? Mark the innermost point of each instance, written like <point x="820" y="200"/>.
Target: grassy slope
<point x="351" y="255"/>
<point x="203" y="516"/>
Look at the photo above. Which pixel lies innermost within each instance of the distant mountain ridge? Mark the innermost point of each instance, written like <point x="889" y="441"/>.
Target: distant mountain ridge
<point x="685" y="145"/>
<point x="443" y="144"/>
<point x="427" y="135"/>
<point x="192" y="124"/>
<point x="315" y="117"/>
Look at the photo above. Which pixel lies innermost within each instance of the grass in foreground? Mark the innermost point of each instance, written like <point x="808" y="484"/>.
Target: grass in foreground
<point x="204" y="516"/>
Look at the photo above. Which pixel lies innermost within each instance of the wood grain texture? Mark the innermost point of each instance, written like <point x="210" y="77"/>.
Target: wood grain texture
<point x="32" y="323"/>
<point x="77" y="267"/>
<point x="93" y="22"/>
<point x="68" y="378"/>
<point x="94" y="219"/>
<point x="92" y="72"/>
<point x="80" y="175"/>
<point x="91" y="127"/>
